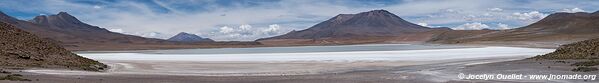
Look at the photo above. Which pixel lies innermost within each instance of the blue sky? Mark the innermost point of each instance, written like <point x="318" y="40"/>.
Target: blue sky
<point x="252" y="19"/>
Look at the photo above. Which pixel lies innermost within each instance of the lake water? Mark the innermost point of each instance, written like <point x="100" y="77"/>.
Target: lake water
<point x="299" y="60"/>
<point x="372" y="52"/>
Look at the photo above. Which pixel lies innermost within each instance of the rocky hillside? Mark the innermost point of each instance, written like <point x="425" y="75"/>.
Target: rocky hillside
<point x="588" y="49"/>
<point x="21" y="49"/>
<point x="187" y="37"/>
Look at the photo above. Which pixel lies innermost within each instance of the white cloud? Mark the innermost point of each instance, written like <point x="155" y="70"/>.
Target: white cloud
<point x="529" y="16"/>
<point x="142" y="34"/>
<point x="427" y="25"/>
<point x="247" y="32"/>
<point x="245" y="29"/>
<point x="502" y="26"/>
<point x="472" y="26"/>
<point x="573" y="10"/>
<point x="423" y="24"/>
<point x="495" y="9"/>
<point x="116" y="30"/>
<point x="452" y="11"/>
<point x="273" y="29"/>
<point x="226" y="30"/>
<point x="97" y="7"/>
<point x="487" y="14"/>
<point x="151" y="35"/>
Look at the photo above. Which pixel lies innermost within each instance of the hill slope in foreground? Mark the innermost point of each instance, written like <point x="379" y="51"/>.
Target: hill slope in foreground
<point x="588" y="49"/>
<point x="20" y="49"/>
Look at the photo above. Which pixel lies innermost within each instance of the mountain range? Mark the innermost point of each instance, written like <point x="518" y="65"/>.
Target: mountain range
<point x="376" y="23"/>
<point x="380" y="26"/>
<point x="67" y="30"/>
<point x="187" y="37"/>
<point x="557" y="29"/>
<point x="376" y="26"/>
<point x="71" y="33"/>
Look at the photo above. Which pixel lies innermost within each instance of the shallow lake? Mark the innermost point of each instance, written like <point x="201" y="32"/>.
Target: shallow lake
<point x="372" y="52"/>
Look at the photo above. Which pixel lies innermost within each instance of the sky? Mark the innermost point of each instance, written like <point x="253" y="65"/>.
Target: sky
<point x="246" y="20"/>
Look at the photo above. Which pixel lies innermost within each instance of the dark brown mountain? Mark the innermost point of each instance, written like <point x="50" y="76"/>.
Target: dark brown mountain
<point x="187" y="37"/>
<point x="376" y="23"/>
<point x="558" y="28"/>
<point x="7" y="19"/>
<point x="67" y="30"/>
<point x="453" y="35"/>
<point x="20" y="49"/>
<point x="565" y="23"/>
<point x="377" y="26"/>
<point x="73" y="34"/>
<point x="63" y="20"/>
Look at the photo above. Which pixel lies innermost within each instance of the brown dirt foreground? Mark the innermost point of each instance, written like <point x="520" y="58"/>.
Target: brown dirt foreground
<point x="447" y="72"/>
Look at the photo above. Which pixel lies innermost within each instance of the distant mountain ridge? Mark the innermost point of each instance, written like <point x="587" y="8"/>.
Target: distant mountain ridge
<point x="375" y="23"/>
<point x="558" y="27"/>
<point x="376" y="26"/>
<point x="187" y="37"/>
<point x="7" y="19"/>
<point x="67" y="30"/>
<point x="380" y="26"/>
<point x="63" y="20"/>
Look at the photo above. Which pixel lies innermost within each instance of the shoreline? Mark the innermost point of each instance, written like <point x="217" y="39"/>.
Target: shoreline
<point x="525" y="44"/>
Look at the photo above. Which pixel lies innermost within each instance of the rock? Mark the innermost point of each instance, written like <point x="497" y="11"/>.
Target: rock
<point x="580" y="50"/>
<point x="585" y="69"/>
